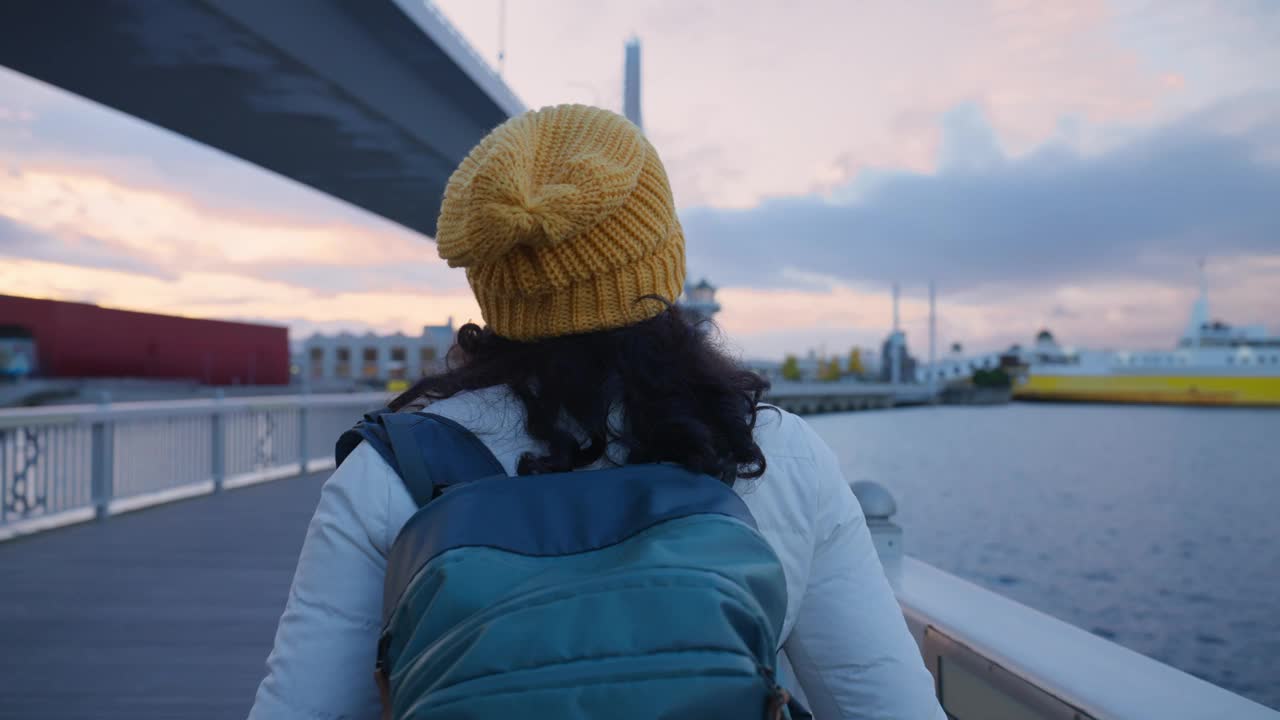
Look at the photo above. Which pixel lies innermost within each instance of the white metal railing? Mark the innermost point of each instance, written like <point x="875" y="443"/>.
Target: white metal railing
<point x="65" y="464"/>
<point x="992" y="657"/>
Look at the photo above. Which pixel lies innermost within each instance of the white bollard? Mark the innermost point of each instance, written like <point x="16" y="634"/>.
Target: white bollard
<point x="878" y="506"/>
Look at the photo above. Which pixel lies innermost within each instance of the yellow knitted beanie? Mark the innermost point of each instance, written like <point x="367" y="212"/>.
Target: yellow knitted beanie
<point x="564" y="220"/>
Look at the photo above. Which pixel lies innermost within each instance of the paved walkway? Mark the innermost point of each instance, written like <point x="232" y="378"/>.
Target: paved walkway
<point x="165" y="613"/>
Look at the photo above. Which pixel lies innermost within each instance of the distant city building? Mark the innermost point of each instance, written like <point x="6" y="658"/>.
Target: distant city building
<point x="810" y="366"/>
<point x="770" y="370"/>
<point x="896" y="363"/>
<point x="958" y="366"/>
<point x="699" y="301"/>
<point x="631" y="84"/>
<point x="66" y="340"/>
<point x="871" y="363"/>
<point x="377" y="358"/>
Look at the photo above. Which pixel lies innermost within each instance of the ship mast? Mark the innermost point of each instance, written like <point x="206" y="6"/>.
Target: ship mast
<point x="1199" y="312"/>
<point x="895" y="344"/>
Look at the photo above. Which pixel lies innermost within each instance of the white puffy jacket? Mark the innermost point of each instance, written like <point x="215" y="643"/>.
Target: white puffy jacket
<point x="846" y="640"/>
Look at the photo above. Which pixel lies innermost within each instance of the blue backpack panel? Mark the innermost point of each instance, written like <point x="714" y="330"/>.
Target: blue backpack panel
<point x="636" y="592"/>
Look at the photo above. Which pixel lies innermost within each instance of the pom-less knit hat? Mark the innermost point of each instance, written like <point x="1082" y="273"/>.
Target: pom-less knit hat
<point x="564" y="221"/>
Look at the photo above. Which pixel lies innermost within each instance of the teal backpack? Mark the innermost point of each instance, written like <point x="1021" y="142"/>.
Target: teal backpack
<point x="637" y="592"/>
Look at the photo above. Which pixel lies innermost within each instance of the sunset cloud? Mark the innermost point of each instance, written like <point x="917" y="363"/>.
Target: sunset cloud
<point x="170" y="229"/>
<point x="236" y="297"/>
<point x="1149" y="208"/>
<point x="766" y="99"/>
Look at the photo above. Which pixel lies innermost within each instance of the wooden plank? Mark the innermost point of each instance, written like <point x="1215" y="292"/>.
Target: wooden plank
<point x="163" y="613"/>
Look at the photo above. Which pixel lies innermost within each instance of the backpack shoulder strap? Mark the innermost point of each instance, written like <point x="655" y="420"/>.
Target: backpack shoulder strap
<point x="429" y="452"/>
<point x="368" y="430"/>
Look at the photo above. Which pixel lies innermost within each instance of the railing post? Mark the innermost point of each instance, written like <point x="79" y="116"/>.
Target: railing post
<point x="4" y="481"/>
<point x="218" y="442"/>
<point x="878" y="506"/>
<point x="102" y="460"/>
<point x="302" y="434"/>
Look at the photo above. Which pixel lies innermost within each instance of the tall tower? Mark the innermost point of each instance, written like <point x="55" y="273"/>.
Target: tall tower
<point x="896" y="341"/>
<point x="933" y="331"/>
<point x="896" y="326"/>
<point x="699" y="302"/>
<point x="631" y="83"/>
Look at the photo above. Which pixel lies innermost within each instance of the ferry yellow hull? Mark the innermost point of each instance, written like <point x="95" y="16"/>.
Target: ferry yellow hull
<point x="1159" y="389"/>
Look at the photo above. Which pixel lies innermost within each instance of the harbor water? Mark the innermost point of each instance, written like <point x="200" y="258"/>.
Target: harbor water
<point x="1155" y="527"/>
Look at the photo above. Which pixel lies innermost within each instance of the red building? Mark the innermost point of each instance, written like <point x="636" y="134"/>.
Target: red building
<point x="79" y="340"/>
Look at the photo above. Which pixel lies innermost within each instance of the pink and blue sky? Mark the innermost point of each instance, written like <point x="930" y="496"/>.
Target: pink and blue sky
<point x="1047" y="164"/>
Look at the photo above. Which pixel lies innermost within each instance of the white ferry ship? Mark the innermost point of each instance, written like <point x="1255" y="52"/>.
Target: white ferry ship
<point x="1213" y="364"/>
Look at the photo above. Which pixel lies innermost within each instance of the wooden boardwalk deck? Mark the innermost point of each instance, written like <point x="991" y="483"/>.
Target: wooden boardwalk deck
<point x="166" y="613"/>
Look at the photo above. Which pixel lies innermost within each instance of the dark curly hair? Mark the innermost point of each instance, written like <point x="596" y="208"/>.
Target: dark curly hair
<point x="685" y="401"/>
